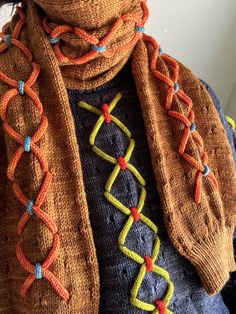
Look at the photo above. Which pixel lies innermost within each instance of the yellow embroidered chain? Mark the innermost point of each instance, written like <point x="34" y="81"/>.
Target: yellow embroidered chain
<point x="147" y="263"/>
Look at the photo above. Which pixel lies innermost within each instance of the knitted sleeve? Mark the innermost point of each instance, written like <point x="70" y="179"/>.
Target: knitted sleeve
<point x="229" y="291"/>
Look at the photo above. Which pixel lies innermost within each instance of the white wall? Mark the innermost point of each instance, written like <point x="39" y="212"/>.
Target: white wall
<point x="5" y="12"/>
<point x="199" y="33"/>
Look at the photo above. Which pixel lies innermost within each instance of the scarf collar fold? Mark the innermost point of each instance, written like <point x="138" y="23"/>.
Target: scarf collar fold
<point x="92" y="41"/>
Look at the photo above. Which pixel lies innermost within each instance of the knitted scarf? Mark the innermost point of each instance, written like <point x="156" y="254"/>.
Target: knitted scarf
<point x="47" y="47"/>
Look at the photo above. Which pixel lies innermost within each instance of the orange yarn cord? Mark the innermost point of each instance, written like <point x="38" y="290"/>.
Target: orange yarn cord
<point x="175" y="91"/>
<point x="43" y="270"/>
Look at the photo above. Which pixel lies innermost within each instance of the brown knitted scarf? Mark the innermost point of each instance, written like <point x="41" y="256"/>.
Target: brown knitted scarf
<point x="46" y="48"/>
<point x="82" y="68"/>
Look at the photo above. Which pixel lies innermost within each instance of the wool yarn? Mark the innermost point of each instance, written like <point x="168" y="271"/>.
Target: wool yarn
<point x="189" y="150"/>
<point x="99" y="40"/>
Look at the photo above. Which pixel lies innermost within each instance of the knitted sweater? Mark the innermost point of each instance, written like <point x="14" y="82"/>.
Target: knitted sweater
<point x="45" y="223"/>
<point x="117" y="271"/>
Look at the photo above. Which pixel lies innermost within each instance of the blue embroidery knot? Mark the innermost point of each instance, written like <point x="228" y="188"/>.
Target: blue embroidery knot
<point x="27" y="144"/>
<point x="206" y="170"/>
<point x="193" y="127"/>
<point x="99" y="48"/>
<point x="21" y="87"/>
<point x="38" y="271"/>
<point x="29" y="207"/>
<point x="8" y="39"/>
<point x="140" y="29"/>
<point x="176" y="87"/>
<point x="160" y="51"/>
<point x="54" y="40"/>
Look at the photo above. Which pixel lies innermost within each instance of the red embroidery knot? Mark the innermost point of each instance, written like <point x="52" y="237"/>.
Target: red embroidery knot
<point x="148" y="262"/>
<point x="106" y="113"/>
<point x="135" y="213"/>
<point x="122" y="162"/>
<point x="160" y="306"/>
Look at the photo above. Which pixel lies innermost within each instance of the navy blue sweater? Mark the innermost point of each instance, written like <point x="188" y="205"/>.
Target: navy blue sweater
<point x="117" y="271"/>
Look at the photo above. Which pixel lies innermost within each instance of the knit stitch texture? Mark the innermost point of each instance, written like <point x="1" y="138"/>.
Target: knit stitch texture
<point x="118" y="272"/>
<point x="43" y="200"/>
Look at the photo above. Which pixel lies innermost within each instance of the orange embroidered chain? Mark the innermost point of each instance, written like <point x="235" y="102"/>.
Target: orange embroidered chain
<point x="190" y="126"/>
<point x="29" y="144"/>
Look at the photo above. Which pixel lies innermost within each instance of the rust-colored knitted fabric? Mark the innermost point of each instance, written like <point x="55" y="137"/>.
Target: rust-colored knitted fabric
<point x="97" y="18"/>
<point x="198" y="202"/>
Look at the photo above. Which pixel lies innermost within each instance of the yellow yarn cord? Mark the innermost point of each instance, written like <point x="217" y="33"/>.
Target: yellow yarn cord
<point x="231" y="122"/>
<point x="125" y="210"/>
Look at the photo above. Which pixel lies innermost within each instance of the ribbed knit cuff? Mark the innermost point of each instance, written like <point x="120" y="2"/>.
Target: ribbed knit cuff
<point x="214" y="260"/>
